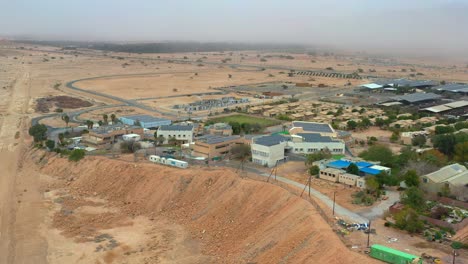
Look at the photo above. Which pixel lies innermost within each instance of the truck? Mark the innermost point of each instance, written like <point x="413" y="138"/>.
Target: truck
<point x="393" y="256"/>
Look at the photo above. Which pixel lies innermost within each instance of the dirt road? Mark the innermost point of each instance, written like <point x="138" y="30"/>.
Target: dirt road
<point x="20" y="199"/>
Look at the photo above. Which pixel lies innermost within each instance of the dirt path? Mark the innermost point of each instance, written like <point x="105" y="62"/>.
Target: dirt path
<point x="20" y="199"/>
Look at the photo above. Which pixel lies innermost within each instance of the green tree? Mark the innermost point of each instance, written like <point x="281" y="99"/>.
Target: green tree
<point x="408" y="219"/>
<point x="445" y="143"/>
<point x="372" y="185"/>
<point x="100" y="123"/>
<point x="419" y="140"/>
<point x="461" y="152"/>
<point x="172" y="140"/>
<point x="352" y="169"/>
<point x="89" y="124"/>
<point x="351" y="125"/>
<point x="76" y="155"/>
<point x="380" y="153"/>
<point x="113" y="118"/>
<point x="411" y="178"/>
<point x="395" y="136"/>
<point x="365" y="122"/>
<point x="311" y="158"/>
<point x="66" y="119"/>
<point x="38" y="132"/>
<point x="379" y="122"/>
<point x="236" y="127"/>
<point x="105" y="118"/>
<point x="161" y="139"/>
<point x="50" y="144"/>
<point x="314" y="170"/>
<point x="61" y="137"/>
<point x="414" y="198"/>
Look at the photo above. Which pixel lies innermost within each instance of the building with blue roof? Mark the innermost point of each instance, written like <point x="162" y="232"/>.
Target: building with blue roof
<point x="365" y="168"/>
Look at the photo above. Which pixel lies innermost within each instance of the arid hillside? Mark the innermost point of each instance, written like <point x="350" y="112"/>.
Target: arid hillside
<point x="229" y="219"/>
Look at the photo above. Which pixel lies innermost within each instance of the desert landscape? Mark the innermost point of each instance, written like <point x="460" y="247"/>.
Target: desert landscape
<point x="293" y="136"/>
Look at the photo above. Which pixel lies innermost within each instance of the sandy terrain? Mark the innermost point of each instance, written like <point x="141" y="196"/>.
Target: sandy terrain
<point x="215" y="221"/>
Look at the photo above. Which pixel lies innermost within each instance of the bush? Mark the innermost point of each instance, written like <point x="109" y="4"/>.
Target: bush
<point x="76" y="155"/>
<point x="388" y="224"/>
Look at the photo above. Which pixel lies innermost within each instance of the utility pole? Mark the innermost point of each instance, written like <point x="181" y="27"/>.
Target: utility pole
<point x="307" y="185"/>
<point x="334" y="198"/>
<point x="454" y="254"/>
<point x="273" y="170"/>
<point x="368" y="233"/>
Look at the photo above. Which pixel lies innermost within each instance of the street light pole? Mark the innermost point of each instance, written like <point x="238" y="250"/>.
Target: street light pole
<point x="368" y="233"/>
<point x="334" y="198"/>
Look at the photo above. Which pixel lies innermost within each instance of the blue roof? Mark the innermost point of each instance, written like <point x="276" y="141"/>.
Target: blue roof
<point x="370" y="171"/>
<point x="363" y="164"/>
<point x="339" y="164"/>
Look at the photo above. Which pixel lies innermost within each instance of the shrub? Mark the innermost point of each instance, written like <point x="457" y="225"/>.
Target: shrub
<point x="76" y="155"/>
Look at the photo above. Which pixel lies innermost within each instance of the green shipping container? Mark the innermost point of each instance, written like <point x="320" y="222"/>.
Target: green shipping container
<point x="393" y="256"/>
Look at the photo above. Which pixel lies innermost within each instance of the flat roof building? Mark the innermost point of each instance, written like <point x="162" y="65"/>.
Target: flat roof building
<point x="214" y="147"/>
<point x="453" y="177"/>
<point x="182" y="133"/>
<point x="323" y="129"/>
<point x="145" y="121"/>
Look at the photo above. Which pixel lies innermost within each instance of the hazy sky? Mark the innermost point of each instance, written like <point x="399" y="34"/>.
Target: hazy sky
<point x="424" y="25"/>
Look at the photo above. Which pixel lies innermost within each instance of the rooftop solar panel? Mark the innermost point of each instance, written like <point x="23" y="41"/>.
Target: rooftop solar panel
<point x="314" y="127"/>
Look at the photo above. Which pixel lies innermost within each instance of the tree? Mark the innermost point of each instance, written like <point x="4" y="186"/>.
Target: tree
<point x="372" y="185"/>
<point x="411" y="178"/>
<point x="241" y="151"/>
<point x="314" y="170"/>
<point x="323" y="154"/>
<point x="38" y="132"/>
<point x="395" y="136"/>
<point x="419" y="140"/>
<point x="100" y="123"/>
<point x="236" y="127"/>
<point x="50" y="144"/>
<point x="137" y="123"/>
<point x="445" y="143"/>
<point x="414" y="198"/>
<point x="379" y="153"/>
<point x="229" y="76"/>
<point x="113" y="118"/>
<point x="89" y="124"/>
<point x="351" y="125"/>
<point x="66" y="119"/>
<point x="76" y="155"/>
<point x="352" y="169"/>
<point x="284" y="128"/>
<point x="161" y="139"/>
<point x="433" y="156"/>
<point x="408" y="219"/>
<point x="461" y="152"/>
<point x="105" y="118"/>
<point x="365" y="123"/>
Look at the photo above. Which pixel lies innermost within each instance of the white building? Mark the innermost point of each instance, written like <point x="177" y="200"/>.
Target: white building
<point x="268" y="150"/>
<point x="183" y="133"/>
<point x="308" y="143"/>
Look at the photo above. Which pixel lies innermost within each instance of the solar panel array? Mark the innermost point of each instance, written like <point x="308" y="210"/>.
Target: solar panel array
<point x="314" y="137"/>
<point x="313" y="127"/>
<point x="270" y="140"/>
<point x="145" y="118"/>
<point x="329" y="74"/>
<point x="176" y="128"/>
<point x="213" y="139"/>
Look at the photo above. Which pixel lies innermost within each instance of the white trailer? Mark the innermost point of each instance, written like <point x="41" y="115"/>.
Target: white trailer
<point x="169" y="161"/>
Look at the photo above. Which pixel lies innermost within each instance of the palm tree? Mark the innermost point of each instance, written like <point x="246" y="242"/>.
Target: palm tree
<point x="284" y="128"/>
<point x="113" y="118"/>
<point x="105" y="118"/>
<point x="172" y="140"/>
<point x="66" y="119"/>
<point x="89" y="124"/>
<point x="61" y="137"/>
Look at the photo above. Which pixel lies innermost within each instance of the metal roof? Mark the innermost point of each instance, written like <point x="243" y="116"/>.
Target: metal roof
<point x="448" y="173"/>
<point x="372" y="86"/>
<point x="314" y="127"/>
<point x="315" y="137"/>
<point x="405" y="82"/>
<point x="370" y="171"/>
<point x="457" y="104"/>
<point x="417" y="97"/>
<point x="176" y="128"/>
<point x="437" y="108"/>
<point x="214" y="139"/>
<point x="270" y="140"/>
<point x="453" y="87"/>
<point x="145" y="118"/>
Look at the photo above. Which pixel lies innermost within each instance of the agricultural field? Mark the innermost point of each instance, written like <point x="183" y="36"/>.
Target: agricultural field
<point x="245" y="119"/>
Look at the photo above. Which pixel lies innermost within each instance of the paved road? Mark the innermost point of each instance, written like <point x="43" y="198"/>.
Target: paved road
<point x="339" y="210"/>
<point x="379" y="209"/>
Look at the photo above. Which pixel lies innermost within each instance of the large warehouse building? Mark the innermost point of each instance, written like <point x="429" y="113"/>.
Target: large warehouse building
<point x="145" y="121"/>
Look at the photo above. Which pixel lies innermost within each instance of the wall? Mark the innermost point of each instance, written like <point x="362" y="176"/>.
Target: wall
<point x="185" y="135"/>
<point x="306" y="146"/>
<point x="272" y="154"/>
